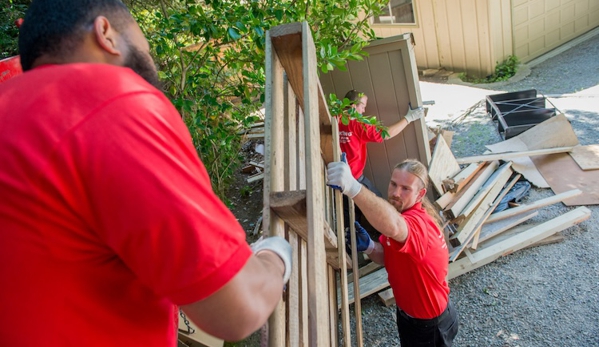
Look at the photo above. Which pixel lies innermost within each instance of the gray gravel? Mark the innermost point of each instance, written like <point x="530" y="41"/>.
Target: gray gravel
<point x="542" y="296"/>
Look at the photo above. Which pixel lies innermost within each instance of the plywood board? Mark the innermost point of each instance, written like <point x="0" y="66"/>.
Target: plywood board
<point x="443" y="164"/>
<point x="587" y="157"/>
<point x="563" y="174"/>
<point x="554" y="132"/>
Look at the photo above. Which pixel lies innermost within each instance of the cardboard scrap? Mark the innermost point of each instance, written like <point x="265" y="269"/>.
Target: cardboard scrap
<point x="554" y="132"/>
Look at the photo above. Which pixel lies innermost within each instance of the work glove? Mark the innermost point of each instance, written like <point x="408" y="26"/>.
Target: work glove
<point x="340" y="177"/>
<point x="363" y="241"/>
<point x="278" y="245"/>
<point x="414" y="114"/>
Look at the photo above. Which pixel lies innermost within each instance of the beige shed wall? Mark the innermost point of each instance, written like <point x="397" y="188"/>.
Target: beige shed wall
<point x="460" y="35"/>
<point x="542" y="25"/>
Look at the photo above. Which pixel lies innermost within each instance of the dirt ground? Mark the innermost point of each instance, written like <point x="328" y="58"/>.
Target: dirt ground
<point x="245" y="198"/>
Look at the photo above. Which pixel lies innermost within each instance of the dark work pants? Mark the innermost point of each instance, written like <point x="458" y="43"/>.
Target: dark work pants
<point x="436" y="332"/>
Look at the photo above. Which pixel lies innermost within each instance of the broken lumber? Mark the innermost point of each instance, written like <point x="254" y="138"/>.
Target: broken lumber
<point x="494" y="186"/>
<point x="497" y="201"/>
<point x="461" y="179"/>
<point x="511" y="155"/>
<point x="490" y="253"/>
<point x="491" y="183"/>
<point x="495" y="228"/>
<point x="387" y="297"/>
<point x="442" y="164"/>
<point x="537" y="204"/>
<point x="460" y="201"/>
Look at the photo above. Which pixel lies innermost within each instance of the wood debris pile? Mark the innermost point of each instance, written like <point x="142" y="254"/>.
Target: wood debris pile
<point x="255" y="168"/>
<point x="468" y="190"/>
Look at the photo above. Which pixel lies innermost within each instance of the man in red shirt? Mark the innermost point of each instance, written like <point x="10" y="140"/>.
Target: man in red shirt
<point x="412" y="249"/>
<point x="108" y="220"/>
<point x="355" y="135"/>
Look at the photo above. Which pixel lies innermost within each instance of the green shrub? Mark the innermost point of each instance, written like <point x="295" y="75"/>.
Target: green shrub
<point x="503" y="72"/>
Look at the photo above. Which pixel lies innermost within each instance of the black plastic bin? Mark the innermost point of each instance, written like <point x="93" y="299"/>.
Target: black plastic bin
<point x="516" y="112"/>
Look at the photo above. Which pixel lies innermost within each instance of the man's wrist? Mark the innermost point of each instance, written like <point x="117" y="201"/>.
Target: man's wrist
<point x="370" y="247"/>
<point x="354" y="188"/>
<point x="280" y="247"/>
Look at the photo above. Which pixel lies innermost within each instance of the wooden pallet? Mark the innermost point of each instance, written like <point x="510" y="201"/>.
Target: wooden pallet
<point x="300" y="139"/>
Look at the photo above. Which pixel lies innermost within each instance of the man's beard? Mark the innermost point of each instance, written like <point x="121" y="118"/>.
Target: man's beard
<point x="397" y="203"/>
<point x="143" y="65"/>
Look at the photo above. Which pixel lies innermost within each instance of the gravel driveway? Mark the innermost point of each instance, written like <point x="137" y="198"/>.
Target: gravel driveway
<point x="537" y="297"/>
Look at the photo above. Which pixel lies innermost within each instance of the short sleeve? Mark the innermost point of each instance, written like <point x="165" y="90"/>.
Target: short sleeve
<point x="365" y="132"/>
<point x="145" y="193"/>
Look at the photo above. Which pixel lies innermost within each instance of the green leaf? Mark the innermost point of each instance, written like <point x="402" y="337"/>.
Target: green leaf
<point x="234" y="33"/>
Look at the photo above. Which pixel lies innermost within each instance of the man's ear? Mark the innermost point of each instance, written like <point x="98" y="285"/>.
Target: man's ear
<point x="421" y="194"/>
<point x="106" y="37"/>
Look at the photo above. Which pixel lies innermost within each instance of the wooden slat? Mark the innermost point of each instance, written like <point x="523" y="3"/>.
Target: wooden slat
<point x="493" y="229"/>
<point x="442" y="165"/>
<point x="370" y="284"/>
<point x="293" y="288"/>
<point x="468" y="229"/>
<point x="314" y="197"/>
<point x="496" y="183"/>
<point x="342" y="253"/>
<point x="274" y="153"/>
<point x="356" y="286"/>
<point x="291" y="206"/>
<point x="487" y="186"/>
<point x="287" y="42"/>
<point x="463" y="177"/>
<point x="455" y="208"/>
<point x="511" y="155"/>
<point x="365" y="270"/>
<point x="497" y="201"/>
<point x="291" y="183"/>
<point x="445" y="200"/>
<point x="535" y="205"/>
<point x="305" y="313"/>
<point x="332" y="301"/>
<point x="488" y="254"/>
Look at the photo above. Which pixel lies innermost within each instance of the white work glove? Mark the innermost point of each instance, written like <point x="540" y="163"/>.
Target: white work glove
<point x="278" y="245"/>
<point x="414" y="114"/>
<point x="340" y="177"/>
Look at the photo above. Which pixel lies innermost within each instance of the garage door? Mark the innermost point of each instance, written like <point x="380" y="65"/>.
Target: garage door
<point x="542" y="25"/>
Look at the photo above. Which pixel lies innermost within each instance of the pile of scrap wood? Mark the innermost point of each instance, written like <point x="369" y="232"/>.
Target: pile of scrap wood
<point x="254" y="168"/>
<point x="469" y="189"/>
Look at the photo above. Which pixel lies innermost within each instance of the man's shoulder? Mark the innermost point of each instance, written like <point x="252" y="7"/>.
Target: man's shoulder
<point x="109" y="76"/>
<point x="85" y="77"/>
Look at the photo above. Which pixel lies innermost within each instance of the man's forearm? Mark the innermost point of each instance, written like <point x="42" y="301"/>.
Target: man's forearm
<point x="244" y="304"/>
<point x="381" y="215"/>
<point x="396" y="128"/>
<point x="378" y="254"/>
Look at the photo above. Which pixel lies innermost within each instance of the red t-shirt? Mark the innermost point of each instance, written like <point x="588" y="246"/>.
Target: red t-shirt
<point x="417" y="268"/>
<point x="353" y="138"/>
<point x="108" y="219"/>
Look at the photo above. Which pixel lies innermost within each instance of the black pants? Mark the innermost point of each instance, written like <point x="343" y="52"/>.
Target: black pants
<point x="366" y="183"/>
<point x="436" y="332"/>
